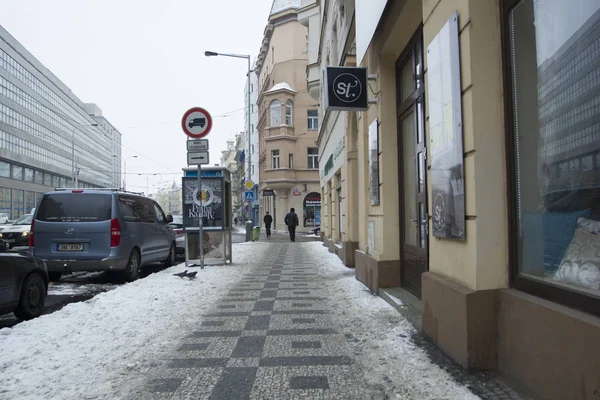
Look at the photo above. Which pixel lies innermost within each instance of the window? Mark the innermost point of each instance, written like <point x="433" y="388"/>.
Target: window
<point x="252" y="128"/>
<point x="554" y="72"/>
<point x="290" y="161"/>
<point x="17" y="172"/>
<point x="275" y="110"/>
<point x="47" y="179"/>
<point x="312" y="209"/>
<point x="313" y="120"/>
<point x="4" y="169"/>
<point x="251" y="149"/>
<point x="160" y="215"/>
<point x="136" y="209"/>
<point x="275" y="158"/>
<point x="39" y="177"/>
<point x="288" y="112"/>
<point x="28" y="175"/>
<point x="313" y="158"/>
<point x="252" y="168"/>
<point x="75" y="207"/>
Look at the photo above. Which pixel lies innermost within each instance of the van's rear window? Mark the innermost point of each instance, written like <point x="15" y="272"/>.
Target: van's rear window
<point x="74" y="207"/>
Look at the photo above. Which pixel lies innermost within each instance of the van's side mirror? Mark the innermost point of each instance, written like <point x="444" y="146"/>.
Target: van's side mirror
<point x="169" y="218"/>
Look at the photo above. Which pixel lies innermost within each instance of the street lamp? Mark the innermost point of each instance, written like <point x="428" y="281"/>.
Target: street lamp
<point x="73" y="172"/>
<point x="125" y="171"/>
<point x="247" y="57"/>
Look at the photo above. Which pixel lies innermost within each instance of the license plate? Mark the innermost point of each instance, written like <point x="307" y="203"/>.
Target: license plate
<point x="69" y="247"/>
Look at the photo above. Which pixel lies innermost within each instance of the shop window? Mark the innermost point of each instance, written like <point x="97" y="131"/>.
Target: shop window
<point x="555" y="136"/>
<point x="4" y="169"/>
<point x="5" y="203"/>
<point x="313" y="120"/>
<point x="275" y="111"/>
<point x="17" y="203"/>
<point x="313" y="158"/>
<point x="312" y="210"/>
<point x="289" y="107"/>
<point x="275" y="159"/>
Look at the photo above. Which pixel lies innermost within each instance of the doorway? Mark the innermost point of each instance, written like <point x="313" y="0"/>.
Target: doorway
<point x="412" y="165"/>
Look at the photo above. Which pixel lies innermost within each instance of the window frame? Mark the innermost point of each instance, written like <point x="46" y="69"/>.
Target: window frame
<point x="274" y="108"/>
<point x="312" y="118"/>
<point x="555" y="293"/>
<point x="275" y="157"/>
<point x="313" y="156"/>
<point x="289" y="107"/>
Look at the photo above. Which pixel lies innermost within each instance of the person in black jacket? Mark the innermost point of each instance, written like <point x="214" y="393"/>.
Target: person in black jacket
<point x="268" y="220"/>
<point x="291" y="220"/>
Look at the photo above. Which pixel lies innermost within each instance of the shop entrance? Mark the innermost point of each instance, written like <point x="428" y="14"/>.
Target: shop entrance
<point x="412" y="165"/>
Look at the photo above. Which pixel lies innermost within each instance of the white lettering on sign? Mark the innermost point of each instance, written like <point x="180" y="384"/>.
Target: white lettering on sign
<point x="340" y="147"/>
<point x="347" y="88"/>
<point x="207" y="212"/>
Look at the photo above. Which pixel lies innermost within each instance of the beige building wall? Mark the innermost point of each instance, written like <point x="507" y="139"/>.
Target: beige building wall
<point x="282" y="64"/>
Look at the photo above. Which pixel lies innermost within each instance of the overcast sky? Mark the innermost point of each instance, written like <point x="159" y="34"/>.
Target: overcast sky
<point x="142" y="62"/>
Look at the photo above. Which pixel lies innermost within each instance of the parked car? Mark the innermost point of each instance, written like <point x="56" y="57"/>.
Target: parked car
<point x="4" y="218"/>
<point x="100" y="230"/>
<point x="23" y="284"/>
<point x="179" y="237"/>
<point x="317" y="230"/>
<point x="17" y="234"/>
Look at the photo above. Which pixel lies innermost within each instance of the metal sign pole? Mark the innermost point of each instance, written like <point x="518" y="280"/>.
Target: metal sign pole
<point x="200" y="212"/>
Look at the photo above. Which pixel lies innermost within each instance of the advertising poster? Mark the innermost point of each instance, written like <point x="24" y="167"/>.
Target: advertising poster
<point x="212" y="203"/>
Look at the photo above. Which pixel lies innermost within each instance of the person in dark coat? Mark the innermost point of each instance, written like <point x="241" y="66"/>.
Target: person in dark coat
<point x="268" y="220"/>
<point x="291" y="220"/>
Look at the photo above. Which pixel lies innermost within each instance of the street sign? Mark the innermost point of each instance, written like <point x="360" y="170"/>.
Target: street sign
<point x="198" y="158"/>
<point x="197" y="145"/>
<point x="196" y="122"/>
<point x="249" y="184"/>
<point x="248" y="196"/>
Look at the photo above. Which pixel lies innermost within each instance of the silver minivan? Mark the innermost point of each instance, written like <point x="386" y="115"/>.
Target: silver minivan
<point x="100" y="230"/>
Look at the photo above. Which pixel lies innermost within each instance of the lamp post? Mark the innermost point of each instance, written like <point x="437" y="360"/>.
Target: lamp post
<point x="248" y="113"/>
<point x="73" y="169"/>
<point x="125" y="171"/>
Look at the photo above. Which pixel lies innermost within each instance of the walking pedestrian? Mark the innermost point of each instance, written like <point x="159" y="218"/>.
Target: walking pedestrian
<point x="235" y="221"/>
<point x="268" y="220"/>
<point x="291" y="220"/>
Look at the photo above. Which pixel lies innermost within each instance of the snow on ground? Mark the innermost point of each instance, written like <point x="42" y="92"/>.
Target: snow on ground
<point x="380" y="336"/>
<point x="102" y="347"/>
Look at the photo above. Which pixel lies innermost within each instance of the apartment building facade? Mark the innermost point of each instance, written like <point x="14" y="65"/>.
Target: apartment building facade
<point x="48" y="137"/>
<point x="476" y="179"/>
<point x="288" y="154"/>
<point x="250" y="211"/>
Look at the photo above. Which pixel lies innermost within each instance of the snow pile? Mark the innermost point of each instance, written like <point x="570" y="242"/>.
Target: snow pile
<point x="103" y="347"/>
<point x="380" y="336"/>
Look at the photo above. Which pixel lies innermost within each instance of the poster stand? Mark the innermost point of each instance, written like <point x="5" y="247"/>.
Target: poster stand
<point x="209" y="209"/>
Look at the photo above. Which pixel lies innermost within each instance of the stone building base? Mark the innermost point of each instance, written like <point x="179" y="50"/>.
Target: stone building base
<point x="376" y="274"/>
<point x="548" y="350"/>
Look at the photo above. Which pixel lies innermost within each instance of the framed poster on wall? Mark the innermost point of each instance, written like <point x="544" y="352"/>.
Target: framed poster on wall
<point x="374" y="162"/>
<point x="445" y="133"/>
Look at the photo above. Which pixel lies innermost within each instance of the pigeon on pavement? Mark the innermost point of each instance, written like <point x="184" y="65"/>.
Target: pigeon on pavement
<point x="192" y="275"/>
<point x="181" y="274"/>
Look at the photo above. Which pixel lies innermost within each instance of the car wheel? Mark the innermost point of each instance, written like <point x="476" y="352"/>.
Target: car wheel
<point x="54" y="276"/>
<point x="33" y="298"/>
<point x="132" y="270"/>
<point x="170" y="261"/>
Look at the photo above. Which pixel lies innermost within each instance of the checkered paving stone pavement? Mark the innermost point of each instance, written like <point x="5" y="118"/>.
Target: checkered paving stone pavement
<point x="269" y="337"/>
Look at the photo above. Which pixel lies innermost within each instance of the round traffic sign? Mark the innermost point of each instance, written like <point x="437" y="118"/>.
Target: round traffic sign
<point x="196" y="122"/>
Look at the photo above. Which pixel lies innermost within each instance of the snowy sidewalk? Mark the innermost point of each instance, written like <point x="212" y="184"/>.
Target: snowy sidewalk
<point x="286" y="321"/>
<point x="298" y="325"/>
